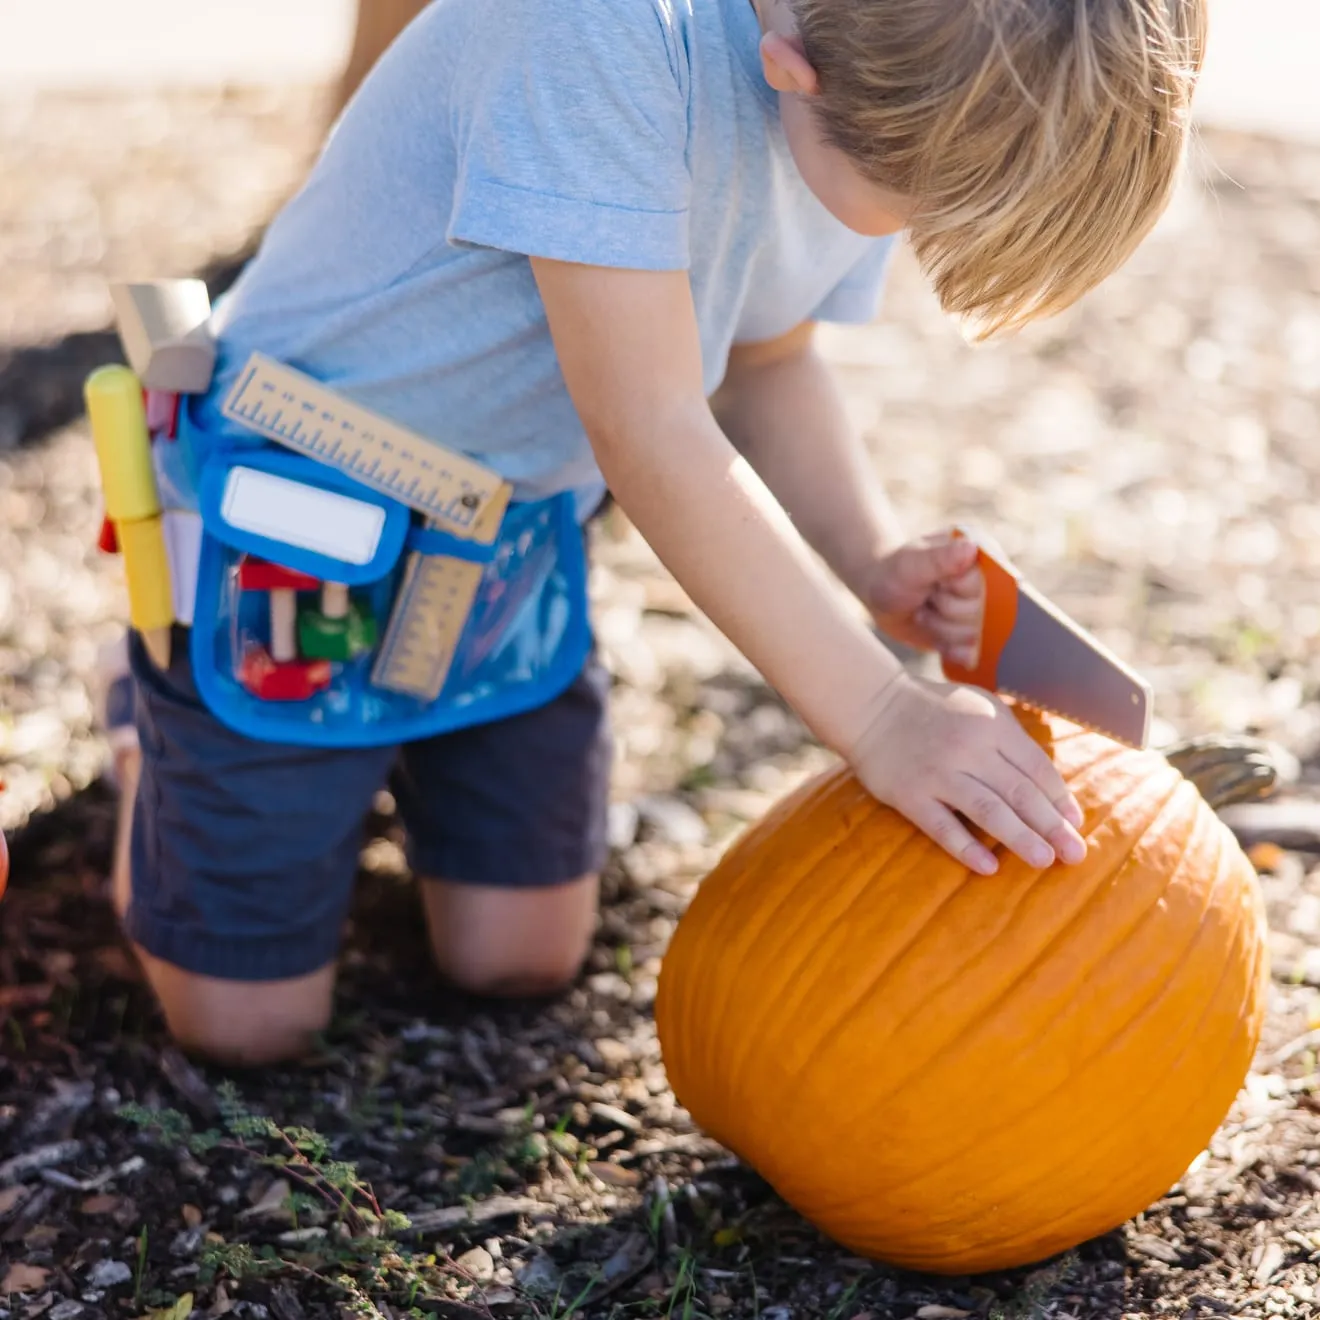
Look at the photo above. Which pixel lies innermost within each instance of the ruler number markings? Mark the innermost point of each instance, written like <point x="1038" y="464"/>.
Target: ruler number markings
<point x="300" y="412"/>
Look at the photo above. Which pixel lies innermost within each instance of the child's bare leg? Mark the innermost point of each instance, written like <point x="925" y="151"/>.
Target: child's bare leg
<point x="511" y="941"/>
<point x="128" y="768"/>
<point x="242" y="1024"/>
<point x="233" y="1022"/>
<point x="507" y="822"/>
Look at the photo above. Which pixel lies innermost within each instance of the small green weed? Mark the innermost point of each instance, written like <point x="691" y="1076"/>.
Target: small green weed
<point x="359" y="1246"/>
<point x="844" y="1306"/>
<point x="684" y="1292"/>
<point x="561" y="1312"/>
<point x="140" y="1268"/>
<point x="298" y="1153"/>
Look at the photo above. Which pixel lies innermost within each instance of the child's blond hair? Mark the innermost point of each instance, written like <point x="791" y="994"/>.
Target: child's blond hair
<point x="1039" y="139"/>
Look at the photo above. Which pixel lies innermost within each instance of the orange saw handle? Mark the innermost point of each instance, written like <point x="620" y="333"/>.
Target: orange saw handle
<point x="997" y="623"/>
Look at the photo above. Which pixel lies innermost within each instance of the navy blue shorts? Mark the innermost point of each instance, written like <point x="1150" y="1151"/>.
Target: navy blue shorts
<point x="244" y="852"/>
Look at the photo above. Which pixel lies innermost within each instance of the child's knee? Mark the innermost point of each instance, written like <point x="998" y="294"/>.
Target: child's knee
<point x="511" y="942"/>
<point x="232" y="1045"/>
<point x="240" y="1024"/>
<point x="511" y="974"/>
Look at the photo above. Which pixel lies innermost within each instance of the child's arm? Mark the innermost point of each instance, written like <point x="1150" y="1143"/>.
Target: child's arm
<point x="628" y="347"/>
<point x="781" y="408"/>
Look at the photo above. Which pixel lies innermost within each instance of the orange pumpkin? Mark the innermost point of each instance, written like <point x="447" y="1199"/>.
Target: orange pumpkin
<point x="956" y="1073"/>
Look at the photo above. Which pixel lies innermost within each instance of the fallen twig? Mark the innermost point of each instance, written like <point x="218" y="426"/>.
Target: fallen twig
<point x="44" y="1157"/>
<point x="482" y="1212"/>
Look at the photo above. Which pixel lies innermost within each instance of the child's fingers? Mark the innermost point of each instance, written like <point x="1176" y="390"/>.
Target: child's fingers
<point x="1002" y="813"/>
<point x="937" y="821"/>
<point x="1036" y="810"/>
<point x="965" y="586"/>
<point x="1029" y="759"/>
<point x="956" y="640"/>
<point x="953" y="556"/>
<point x="956" y="607"/>
<point x="929" y="563"/>
<point x="949" y="632"/>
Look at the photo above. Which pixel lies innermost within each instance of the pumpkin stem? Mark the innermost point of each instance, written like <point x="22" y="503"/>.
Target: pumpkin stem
<point x="1226" y="770"/>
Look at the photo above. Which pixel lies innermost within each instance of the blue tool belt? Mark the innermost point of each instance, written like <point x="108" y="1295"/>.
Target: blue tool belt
<point x="525" y="638"/>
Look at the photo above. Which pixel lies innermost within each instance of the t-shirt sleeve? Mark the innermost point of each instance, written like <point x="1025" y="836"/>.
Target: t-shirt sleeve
<point x="570" y="132"/>
<point x="855" y="300"/>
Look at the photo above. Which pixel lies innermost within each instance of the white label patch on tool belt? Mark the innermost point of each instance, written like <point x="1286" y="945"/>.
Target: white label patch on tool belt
<point x="306" y="517"/>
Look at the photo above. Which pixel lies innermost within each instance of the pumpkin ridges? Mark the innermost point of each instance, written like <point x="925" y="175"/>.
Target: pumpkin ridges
<point x="767" y="915"/>
<point x="1075" y="750"/>
<point x="843" y="901"/>
<point x="1092" y="1152"/>
<point x="1239" y="1047"/>
<point x="747" y="866"/>
<point x="1086" y="1221"/>
<point x="719" y="1064"/>
<point x="890" y="1186"/>
<point x="1025" y="895"/>
<point x="955" y="1031"/>
<point x="1135" y="920"/>
<point x="1006" y="1123"/>
<point x="756" y="842"/>
<point x="1140" y="1012"/>
<point x="1008" y="911"/>
<point x="868" y="988"/>
<point x="750" y="866"/>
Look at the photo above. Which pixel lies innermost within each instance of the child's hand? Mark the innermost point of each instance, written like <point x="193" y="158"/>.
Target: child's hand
<point x="935" y="749"/>
<point x="930" y="594"/>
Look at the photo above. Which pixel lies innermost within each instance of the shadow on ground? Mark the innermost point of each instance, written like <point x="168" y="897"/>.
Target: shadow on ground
<point x="42" y="385"/>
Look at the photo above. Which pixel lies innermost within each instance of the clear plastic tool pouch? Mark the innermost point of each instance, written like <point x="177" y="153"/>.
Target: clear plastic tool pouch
<point x="296" y="636"/>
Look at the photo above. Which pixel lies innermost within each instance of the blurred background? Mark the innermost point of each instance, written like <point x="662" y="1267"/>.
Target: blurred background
<point x="1259" y="75"/>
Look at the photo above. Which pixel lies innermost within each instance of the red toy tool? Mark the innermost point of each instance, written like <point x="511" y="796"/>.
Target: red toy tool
<point x="163" y="414"/>
<point x="108" y="541"/>
<point x="296" y="680"/>
<point x="279" y="674"/>
<point x="1030" y="649"/>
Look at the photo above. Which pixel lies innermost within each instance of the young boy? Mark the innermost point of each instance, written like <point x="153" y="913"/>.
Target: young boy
<point x="586" y="243"/>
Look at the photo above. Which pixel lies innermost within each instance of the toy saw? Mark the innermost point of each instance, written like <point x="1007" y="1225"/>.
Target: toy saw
<point x="1031" y="650"/>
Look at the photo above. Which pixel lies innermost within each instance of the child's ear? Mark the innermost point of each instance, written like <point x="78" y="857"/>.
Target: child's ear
<point x="786" y="66"/>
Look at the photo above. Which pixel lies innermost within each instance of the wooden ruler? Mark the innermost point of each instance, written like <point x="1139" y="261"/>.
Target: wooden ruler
<point x="292" y="409"/>
<point x="434" y="600"/>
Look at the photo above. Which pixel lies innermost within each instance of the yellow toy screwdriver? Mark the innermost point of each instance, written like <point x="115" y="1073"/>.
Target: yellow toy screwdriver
<point x="123" y="451"/>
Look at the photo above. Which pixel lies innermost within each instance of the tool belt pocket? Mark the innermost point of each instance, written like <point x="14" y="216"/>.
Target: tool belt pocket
<point x="329" y="614"/>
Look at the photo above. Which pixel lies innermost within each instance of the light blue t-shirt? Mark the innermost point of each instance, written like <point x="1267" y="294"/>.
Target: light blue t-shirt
<point x="629" y="133"/>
